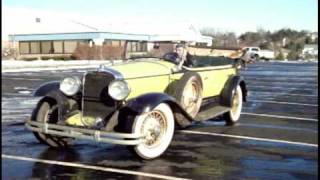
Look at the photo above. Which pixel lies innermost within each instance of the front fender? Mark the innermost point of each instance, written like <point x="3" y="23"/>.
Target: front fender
<point x="65" y="104"/>
<point x="147" y="102"/>
<point x="232" y="83"/>
<point x="45" y="88"/>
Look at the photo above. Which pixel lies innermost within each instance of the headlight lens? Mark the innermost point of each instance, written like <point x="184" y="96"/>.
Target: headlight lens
<point x="119" y="90"/>
<point x="70" y="85"/>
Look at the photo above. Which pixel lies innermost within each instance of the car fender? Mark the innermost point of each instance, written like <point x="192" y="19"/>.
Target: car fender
<point x="232" y="83"/>
<point x="147" y="102"/>
<point x="45" y="88"/>
<point x="65" y="104"/>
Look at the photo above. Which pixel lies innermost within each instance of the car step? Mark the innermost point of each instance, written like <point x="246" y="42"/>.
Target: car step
<point x="212" y="112"/>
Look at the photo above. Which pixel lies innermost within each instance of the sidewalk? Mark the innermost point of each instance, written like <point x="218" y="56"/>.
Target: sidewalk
<point x="39" y="65"/>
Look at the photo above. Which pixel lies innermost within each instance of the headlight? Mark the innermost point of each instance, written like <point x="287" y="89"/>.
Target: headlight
<point x="118" y="90"/>
<point x="70" y="85"/>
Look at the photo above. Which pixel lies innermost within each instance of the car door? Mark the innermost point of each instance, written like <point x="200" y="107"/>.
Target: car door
<point x="214" y="79"/>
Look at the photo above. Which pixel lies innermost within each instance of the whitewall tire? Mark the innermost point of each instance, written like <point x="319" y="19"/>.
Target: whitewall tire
<point x="157" y="127"/>
<point x="233" y="115"/>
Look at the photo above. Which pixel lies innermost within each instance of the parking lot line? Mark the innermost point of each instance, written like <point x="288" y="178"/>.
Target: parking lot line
<point x="281" y="87"/>
<point x="289" y="94"/>
<point x="281" y="83"/>
<point x="280" y="117"/>
<point x="248" y="138"/>
<point x="282" y="102"/>
<point x="15" y="78"/>
<point x="99" y="168"/>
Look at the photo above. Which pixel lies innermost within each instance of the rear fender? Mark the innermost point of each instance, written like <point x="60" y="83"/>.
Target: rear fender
<point x="232" y="83"/>
<point x="147" y="102"/>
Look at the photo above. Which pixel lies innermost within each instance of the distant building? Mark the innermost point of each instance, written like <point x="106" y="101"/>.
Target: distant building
<point x="49" y="36"/>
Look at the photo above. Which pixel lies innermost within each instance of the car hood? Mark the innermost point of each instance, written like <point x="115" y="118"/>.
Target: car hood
<point x="143" y="68"/>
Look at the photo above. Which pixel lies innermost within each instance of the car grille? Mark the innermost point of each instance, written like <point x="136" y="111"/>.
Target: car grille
<point x="96" y="102"/>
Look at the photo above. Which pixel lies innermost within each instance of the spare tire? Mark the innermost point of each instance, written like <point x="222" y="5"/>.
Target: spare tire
<point x="188" y="93"/>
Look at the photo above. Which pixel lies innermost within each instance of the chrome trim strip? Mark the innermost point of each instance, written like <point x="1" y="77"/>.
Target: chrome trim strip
<point x="80" y="133"/>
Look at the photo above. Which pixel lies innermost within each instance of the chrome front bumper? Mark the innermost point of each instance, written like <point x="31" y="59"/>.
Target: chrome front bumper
<point x="81" y="133"/>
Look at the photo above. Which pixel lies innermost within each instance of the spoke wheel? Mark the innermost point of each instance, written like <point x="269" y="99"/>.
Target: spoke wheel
<point x="233" y="115"/>
<point x="156" y="128"/>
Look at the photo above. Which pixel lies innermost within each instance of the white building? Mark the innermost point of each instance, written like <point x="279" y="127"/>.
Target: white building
<point x="49" y="34"/>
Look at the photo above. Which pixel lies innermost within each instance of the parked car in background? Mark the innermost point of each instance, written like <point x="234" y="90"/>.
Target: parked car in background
<point x="255" y="53"/>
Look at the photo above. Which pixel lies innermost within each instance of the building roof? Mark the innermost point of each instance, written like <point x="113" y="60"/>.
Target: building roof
<point x="22" y="24"/>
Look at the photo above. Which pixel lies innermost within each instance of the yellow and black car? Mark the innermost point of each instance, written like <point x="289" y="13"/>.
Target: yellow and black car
<point x="138" y="103"/>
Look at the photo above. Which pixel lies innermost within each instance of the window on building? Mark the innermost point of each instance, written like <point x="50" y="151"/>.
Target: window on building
<point x="70" y="46"/>
<point x="113" y="43"/>
<point x="107" y="42"/>
<point x="122" y="43"/>
<point x="137" y="46"/>
<point x="46" y="47"/>
<point x="134" y="46"/>
<point x="24" y="47"/>
<point x="58" y="47"/>
<point x="84" y="42"/>
<point x="35" y="47"/>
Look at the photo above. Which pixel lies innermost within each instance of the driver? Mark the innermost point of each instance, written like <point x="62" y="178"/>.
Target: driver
<point x="181" y="54"/>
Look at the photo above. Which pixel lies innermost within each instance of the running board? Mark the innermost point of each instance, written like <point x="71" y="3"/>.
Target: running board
<point x="211" y="113"/>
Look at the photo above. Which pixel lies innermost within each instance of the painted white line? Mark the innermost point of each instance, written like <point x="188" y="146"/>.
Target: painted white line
<point x="281" y="83"/>
<point x="282" y="102"/>
<point x="280" y="117"/>
<point x="289" y="94"/>
<point x="248" y="138"/>
<point x="281" y="78"/>
<point x="287" y="88"/>
<point x="99" y="168"/>
<point x="34" y="79"/>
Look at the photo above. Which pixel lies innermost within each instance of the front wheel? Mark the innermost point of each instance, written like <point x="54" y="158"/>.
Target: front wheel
<point x="157" y="128"/>
<point x="233" y="115"/>
<point x="48" y="112"/>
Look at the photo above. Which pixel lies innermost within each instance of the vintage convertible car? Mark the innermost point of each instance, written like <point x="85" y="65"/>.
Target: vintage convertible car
<point x="138" y="103"/>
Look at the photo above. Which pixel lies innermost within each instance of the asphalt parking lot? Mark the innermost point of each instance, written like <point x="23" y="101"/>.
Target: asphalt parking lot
<point x="276" y="137"/>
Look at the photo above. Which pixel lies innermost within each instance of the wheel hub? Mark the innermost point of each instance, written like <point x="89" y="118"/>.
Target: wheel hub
<point x="153" y="129"/>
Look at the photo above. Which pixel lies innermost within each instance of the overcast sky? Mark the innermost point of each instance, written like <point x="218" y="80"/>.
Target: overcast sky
<point x="224" y="15"/>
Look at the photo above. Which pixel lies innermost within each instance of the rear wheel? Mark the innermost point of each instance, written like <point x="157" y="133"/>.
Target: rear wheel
<point x="233" y="115"/>
<point x="157" y="128"/>
<point x="48" y="112"/>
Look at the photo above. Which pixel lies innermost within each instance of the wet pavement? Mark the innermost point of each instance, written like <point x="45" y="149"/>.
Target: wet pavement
<point x="276" y="137"/>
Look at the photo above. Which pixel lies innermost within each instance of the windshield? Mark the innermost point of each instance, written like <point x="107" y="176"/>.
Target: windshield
<point x="192" y="56"/>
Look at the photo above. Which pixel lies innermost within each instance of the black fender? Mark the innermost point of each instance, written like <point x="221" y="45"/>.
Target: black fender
<point x="45" y="88"/>
<point x="147" y="102"/>
<point x="65" y="104"/>
<point x="232" y="83"/>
